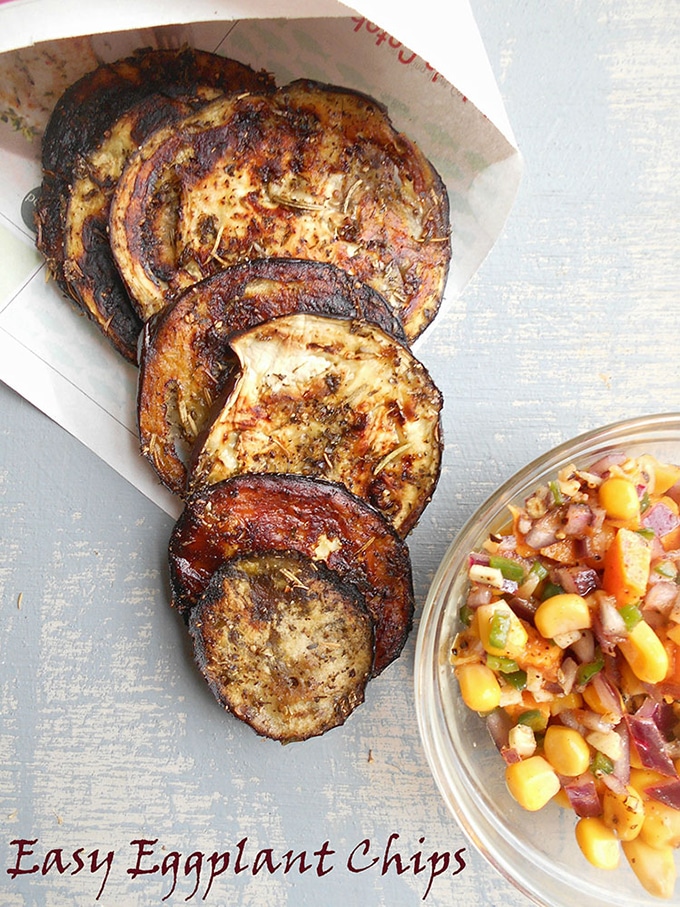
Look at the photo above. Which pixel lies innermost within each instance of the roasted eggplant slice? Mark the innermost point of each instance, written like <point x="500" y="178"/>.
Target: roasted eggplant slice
<point x="333" y="398"/>
<point x="321" y="520"/>
<point x="310" y="171"/>
<point x="93" y="129"/>
<point x="186" y="359"/>
<point x="284" y="644"/>
<point x="89" y="274"/>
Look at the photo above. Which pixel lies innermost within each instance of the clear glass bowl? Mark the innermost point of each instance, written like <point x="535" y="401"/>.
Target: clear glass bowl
<point x="535" y="851"/>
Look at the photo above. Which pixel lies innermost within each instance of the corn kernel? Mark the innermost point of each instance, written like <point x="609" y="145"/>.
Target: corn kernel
<point x="566" y="750"/>
<point x="665" y="476"/>
<point x="645" y="653"/>
<point x="642" y="778"/>
<point x="513" y="639"/>
<point x="595" y="704"/>
<point x="619" y="498"/>
<point x="562" y="614"/>
<point x="479" y="687"/>
<point x="654" y="866"/>
<point x="661" y="827"/>
<point x="565" y="703"/>
<point x="598" y="843"/>
<point x="623" y="812"/>
<point x="532" y="782"/>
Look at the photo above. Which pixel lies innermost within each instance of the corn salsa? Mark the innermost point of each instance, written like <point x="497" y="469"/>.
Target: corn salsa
<point x="569" y="647"/>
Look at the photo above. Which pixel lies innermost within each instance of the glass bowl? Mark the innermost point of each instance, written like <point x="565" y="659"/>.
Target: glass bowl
<point x="536" y="851"/>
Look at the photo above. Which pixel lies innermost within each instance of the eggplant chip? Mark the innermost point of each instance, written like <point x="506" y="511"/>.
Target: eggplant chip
<point x="333" y="398"/>
<point x="309" y="171"/>
<point x="186" y="361"/>
<point x="320" y="520"/>
<point x="93" y="129"/>
<point x="284" y="644"/>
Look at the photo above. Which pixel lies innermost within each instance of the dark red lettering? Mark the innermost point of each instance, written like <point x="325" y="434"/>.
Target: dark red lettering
<point x="219" y="863"/>
<point x="395" y="859"/>
<point x="325" y="851"/>
<point x="143" y="852"/>
<point x="22" y="851"/>
<point x="363" y="848"/>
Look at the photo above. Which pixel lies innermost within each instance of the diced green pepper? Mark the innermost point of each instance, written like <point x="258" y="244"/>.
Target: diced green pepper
<point x="601" y="764"/>
<point x="556" y="492"/>
<point x="645" y="502"/>
<point x="665" y="569"/>
<point x="499" y="630"/>
<point x="510" y="569"/>
<point x="502" y="664"/>
<point x="517" y="680"/>
<point x="465" y="613"/>
<point x="646" y="533"/>
<point x="551" y="589"/>
<point x="539" y="570"/>
<point x="535" y="719"/>
<point x="631" y="615"/>
<point x="587" y="671"/>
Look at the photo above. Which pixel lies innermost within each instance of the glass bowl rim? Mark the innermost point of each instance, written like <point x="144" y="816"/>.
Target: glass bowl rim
<point x="534" y="880"/>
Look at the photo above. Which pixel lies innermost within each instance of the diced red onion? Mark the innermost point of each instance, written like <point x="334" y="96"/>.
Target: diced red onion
<point x="667" y="793"/>
<point x="498" y="724"/>
<point x="577" y="580"/>
<point x="567" y="673"/>
<point x="608" y="625"/>
<point x="602" y="466"/>
<point x="584" y="648"/>
<point x="592" y="721"/>
<point x="523" y="608"/>
<point x="622" y="764"/>
<point x="478" y="595"/>
<point x="578" y="518"/>
<point x="510" y="755"/>
<point x="582" y="794"/>
<point x="662" y="596"/>
<point x="544" y="530"/>
<point x="613" y="782"/>
<point x="648" y="740"/>
<point x="607" y="696"/>
<point x="660" y="519"/>
<point x="479" y="558"/>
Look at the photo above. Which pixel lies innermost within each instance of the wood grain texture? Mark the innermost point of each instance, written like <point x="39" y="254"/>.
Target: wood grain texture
<point x="107" y="734"/>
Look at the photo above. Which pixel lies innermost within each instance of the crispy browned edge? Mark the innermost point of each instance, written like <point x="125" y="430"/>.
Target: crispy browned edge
<point x="252" y="513"/>
<point x="201" y="626"/>
<point x="416" y="311"/>
<point x="88" y="108"/>
<point x="189" y="340"/>
<point x="381" y="486"/>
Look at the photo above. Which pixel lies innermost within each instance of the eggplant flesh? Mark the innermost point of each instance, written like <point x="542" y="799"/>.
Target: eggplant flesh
<point x="186" y="361"/>
<point x="93" y="129"/>
<point x="308" y="171"/>
<point x="283" y="644"/>
<point x="334" y="398"/>
<point x="318" y="519"/>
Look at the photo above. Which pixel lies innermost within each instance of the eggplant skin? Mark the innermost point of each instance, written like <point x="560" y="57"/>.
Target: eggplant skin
<point x="174" y="82"/>
<point x="283" y="644"/>
<point x="337" y="398"/>
<point x="186" y="361"/>
<point x="320" y="520"/>
<point x="309" y="171"/>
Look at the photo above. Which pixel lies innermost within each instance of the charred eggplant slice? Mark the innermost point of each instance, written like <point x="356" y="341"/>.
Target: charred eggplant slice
<point x="309" y="171"/>
<point x="334" y="398"/>
<point x="84" y="149"/>
<point x="186" y="360"/>
<point x="283" y="643"/>
<point x="321" y="520"/>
